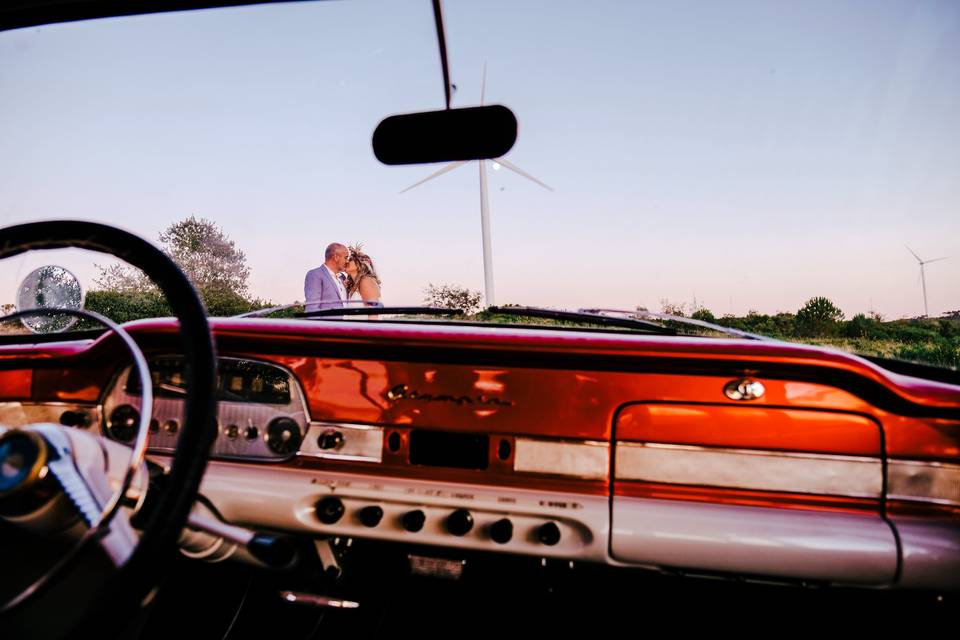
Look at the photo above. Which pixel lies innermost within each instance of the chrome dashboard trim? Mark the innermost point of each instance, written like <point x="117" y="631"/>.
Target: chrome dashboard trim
<point x="764" y="470"/>
<point x="926" y="481"/>
<point x="361" y="443"/>
<point x="588" y="459"/>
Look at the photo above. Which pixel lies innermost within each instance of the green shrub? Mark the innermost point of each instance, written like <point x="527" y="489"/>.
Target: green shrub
<point x="861" y="326"/>
<point x="818" y="317"/>
<point x="941" y="352"/>
<point x="126" y="306"/>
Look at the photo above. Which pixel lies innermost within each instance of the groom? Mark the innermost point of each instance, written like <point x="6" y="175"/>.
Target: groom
<point x="322" y="288"/>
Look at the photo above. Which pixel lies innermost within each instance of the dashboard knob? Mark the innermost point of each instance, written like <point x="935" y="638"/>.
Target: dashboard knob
<point x="329" y="510"/>
<point x="414" y="520"/>
<point x="501" y="531"/>
<point x="171" y="426"/>
<point x="251" y="432"/>
<point x="283" y="436"/>
<point x="123" y="422"/>
<point x="460" y="522"/>
<point x="232" y="431"/>
<point x="371" y="516"/>
<point x="78" y="419"/>
<point x="330" y="439"/>
<point x="549" y="533"/>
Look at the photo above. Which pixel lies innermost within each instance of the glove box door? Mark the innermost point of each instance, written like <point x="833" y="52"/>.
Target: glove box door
<point x="760" y="491"/>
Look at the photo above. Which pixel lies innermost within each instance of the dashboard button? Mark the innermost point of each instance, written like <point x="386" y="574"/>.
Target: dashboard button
<point x="171" y="426"/>
<point x="232" y="431"/>
<point x="251" y="433"/>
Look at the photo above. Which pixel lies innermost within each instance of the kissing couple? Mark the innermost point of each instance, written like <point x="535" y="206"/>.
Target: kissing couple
<point x="347" y="275"/>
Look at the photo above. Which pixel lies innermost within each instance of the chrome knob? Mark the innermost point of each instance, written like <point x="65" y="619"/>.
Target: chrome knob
<point x="744" y="389"/>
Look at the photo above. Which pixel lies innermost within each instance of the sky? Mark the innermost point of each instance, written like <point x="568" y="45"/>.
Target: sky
<point x="748" y="155"/>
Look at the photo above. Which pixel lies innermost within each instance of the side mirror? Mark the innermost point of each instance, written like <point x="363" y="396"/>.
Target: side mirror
<point x="475" y="133"/>
<point x="49" y="287"/>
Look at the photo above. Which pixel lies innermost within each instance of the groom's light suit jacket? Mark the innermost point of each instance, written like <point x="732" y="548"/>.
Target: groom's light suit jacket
<point x="320" y="290"/>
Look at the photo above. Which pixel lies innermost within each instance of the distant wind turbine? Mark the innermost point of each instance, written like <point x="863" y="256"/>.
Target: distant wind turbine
<point x="923" y="278"/>
<point x="484" y="200"/>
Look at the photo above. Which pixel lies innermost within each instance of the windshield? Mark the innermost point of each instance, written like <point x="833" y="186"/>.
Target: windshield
<point x="785" y="170"/>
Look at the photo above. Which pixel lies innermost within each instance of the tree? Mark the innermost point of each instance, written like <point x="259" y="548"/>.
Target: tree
<point x="209" y="258"/>
<point x="818" y="317"/>
<point x="452" y="297"/>
<point x="704" y="314"/>
<point x="673" y="309"/>
<point x="211" y="261"/>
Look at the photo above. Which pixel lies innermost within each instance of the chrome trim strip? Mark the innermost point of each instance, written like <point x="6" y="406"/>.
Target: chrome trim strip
<point x="585" y="459"/>
<point x="935" y="482"/>
<point x="853" y="476"/>
<point x="361" y="443"/>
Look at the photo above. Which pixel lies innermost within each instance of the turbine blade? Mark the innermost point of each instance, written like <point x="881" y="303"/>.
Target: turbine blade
<point x="449" y="167"/>
<point x="914" y="255"/>
<point x="518" y="170"/>
<point x="935" y="260"/>
<point x="483" y="82"/>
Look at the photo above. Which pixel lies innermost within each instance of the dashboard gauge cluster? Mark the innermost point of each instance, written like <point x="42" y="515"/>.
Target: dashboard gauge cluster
<point x="261" y="415"/>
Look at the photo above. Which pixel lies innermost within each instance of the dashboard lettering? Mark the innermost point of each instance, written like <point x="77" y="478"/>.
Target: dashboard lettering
<point x="403" y="392"/>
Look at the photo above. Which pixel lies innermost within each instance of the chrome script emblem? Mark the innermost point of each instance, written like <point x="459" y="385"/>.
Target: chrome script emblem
<point x="403" y="392"/>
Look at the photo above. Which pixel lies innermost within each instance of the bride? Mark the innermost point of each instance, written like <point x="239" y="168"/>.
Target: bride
<point x="362" y="277"/>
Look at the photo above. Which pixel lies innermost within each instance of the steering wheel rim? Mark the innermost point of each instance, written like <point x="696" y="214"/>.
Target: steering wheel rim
<point x="162" y="531"/>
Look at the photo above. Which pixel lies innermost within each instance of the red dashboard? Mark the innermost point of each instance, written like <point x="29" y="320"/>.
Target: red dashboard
<point x="601" y="447"/>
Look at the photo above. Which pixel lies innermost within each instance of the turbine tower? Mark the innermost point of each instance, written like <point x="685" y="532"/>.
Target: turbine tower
<point x="484" y="201"/>
<point x="923" y="278"/>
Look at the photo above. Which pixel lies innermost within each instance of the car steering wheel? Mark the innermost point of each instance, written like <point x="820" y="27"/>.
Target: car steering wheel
<point x="127" y="590"/>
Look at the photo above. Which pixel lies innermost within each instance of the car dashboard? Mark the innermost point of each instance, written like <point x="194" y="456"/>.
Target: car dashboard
<point x="725" y="458"/>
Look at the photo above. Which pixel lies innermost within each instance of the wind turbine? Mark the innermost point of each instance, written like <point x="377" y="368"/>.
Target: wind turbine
<point x="923" y="278"/>
<point x="484" y="200"/>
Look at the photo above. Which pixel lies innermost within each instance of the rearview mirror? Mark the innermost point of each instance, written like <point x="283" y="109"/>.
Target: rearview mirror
<point x="475" y="133"/>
